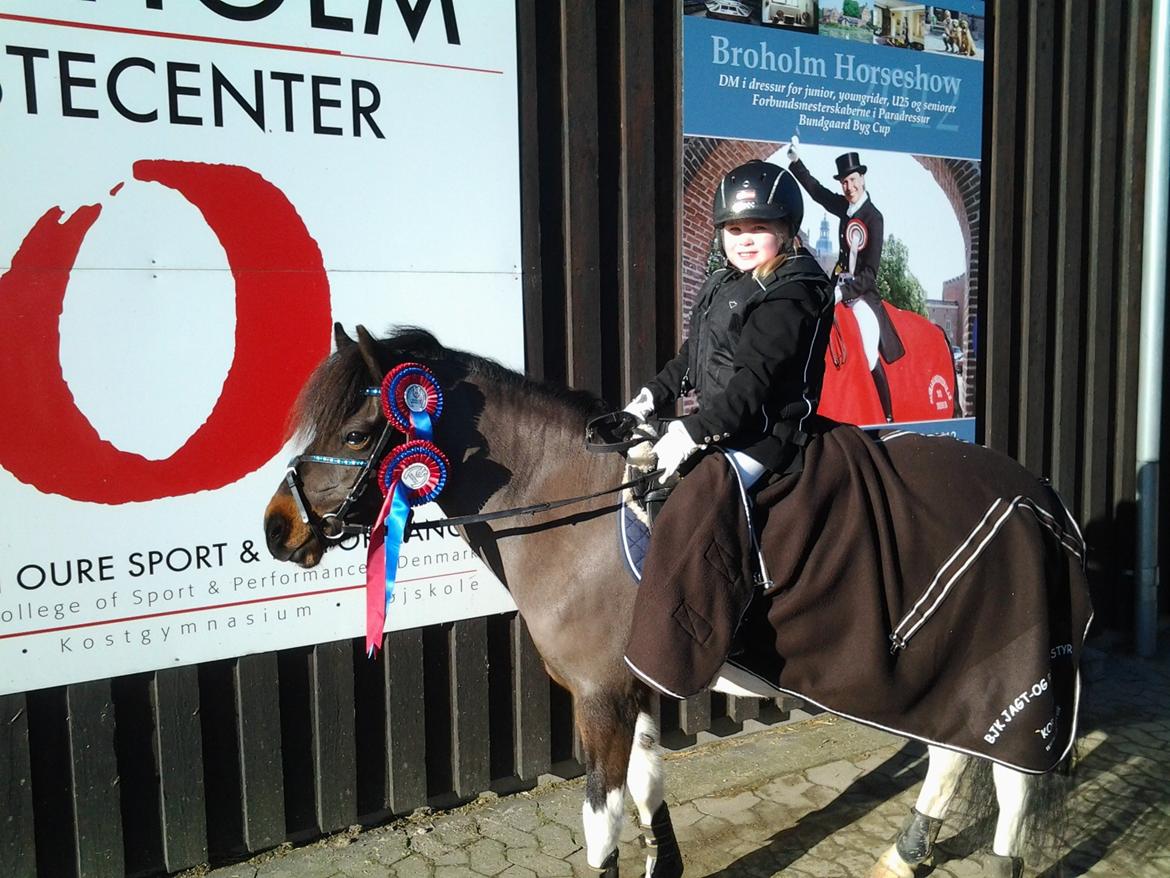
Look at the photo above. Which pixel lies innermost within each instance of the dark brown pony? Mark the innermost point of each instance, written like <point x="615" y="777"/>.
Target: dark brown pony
<point x="512" y="442"/>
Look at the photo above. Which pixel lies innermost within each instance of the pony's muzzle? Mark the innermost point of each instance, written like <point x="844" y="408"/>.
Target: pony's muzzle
<point x="284" y="532"/>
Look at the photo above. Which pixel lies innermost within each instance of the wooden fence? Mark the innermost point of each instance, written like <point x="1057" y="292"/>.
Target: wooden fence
<point x="156" y="772"/>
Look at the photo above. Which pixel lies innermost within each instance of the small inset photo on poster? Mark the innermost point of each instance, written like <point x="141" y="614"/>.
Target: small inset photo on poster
<point x="904" y="24"/>
<point x="801" y="15"/>
<point x="954" y="32"/>
<point x="737" y="11"/>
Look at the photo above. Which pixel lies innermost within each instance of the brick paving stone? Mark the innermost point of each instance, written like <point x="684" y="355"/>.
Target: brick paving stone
<point x="485" y="856"/>
<point x="413" y="867"/>
<point x="496" y="828"/>
<point x="556" y="840"/>
<point x="539" y="862"/>
<point x="456" y="831"/>
<point x="836" y="776"/>
<point x="731" y="808"/>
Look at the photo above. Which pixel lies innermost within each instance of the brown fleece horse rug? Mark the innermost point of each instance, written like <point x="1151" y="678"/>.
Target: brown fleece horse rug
<point x="919" y="584"/>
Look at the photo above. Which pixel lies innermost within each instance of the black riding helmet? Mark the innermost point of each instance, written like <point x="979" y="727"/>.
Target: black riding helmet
<point x="759" y="190"/>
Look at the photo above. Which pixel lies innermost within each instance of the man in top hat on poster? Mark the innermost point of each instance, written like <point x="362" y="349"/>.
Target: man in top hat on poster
<point x="860" y="236"/>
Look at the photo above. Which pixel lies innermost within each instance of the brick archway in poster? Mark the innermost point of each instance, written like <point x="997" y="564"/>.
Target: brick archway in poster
<point x="707" y="159"/>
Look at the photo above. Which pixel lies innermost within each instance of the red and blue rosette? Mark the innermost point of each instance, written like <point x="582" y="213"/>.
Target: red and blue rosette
<point x="414" y="474"/>
<point x="411" y="399"/>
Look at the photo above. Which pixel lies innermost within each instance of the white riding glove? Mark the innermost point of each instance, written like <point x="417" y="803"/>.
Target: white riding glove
<point x="642" y="405"/>
<point x="792" y="145"/>
<point x="675" y="446"/>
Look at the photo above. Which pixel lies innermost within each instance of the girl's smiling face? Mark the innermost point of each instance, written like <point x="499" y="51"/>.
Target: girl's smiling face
<point x="750" y="243"/>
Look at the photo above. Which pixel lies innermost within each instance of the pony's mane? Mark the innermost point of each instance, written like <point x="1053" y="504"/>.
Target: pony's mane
<point x="337" y="386"/>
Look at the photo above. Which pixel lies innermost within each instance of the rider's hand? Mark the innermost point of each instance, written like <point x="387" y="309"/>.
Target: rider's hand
<point x="675" y="446"/>
<point x="642" y="405"/>
<point x="792" y="145"/>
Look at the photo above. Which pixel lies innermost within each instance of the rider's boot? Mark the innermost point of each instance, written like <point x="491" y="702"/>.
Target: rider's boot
<point x="883" y="390"/>
<point x="995" y="866"/>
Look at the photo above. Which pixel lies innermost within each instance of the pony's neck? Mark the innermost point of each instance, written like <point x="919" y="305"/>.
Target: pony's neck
<point x="518" y="445"/>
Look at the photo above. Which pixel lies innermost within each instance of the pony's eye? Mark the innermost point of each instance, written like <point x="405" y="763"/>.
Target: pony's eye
<point x="356" y="438"/>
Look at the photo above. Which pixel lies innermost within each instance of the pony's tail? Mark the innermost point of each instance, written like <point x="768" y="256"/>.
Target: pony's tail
<point x="1045" y="824"/>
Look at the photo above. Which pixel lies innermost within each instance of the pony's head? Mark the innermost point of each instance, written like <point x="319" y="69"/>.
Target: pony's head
<point x="329" y="489"/>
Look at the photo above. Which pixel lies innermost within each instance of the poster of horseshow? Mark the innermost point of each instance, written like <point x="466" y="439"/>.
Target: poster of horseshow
<point x="195" y="192"/>
<point x="890" y="93"/>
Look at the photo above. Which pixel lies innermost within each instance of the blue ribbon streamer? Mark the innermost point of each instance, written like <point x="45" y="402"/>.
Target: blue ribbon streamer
<point x="421" y="428"/>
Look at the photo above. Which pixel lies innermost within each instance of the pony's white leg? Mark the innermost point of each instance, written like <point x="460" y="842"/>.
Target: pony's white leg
<point x="644" y="776"/>
<point x="644" y="780"/>
<point x="605" y="723"/>
<point x="916" y="839"/>
<point x="943" y="771"/>
<point x="602" y="817"/>
<point x="1011" y="794"/>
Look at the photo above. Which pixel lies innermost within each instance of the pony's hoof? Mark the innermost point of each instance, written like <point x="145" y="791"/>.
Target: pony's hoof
<point x="891" y="865"/>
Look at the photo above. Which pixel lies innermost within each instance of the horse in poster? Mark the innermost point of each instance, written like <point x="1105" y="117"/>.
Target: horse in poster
<point x="511" y="442"/>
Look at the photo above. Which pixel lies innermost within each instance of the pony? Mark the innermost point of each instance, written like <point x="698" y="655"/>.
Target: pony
<point x="512" y="441"/>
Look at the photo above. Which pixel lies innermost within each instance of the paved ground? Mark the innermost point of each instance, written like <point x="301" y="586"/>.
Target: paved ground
<point x="821" y="797"/>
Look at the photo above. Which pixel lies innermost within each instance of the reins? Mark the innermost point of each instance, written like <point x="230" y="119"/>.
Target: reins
<point x="535" y="508"/>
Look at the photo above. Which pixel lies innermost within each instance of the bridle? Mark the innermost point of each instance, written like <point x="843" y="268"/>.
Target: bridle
<point x="333" y="526"/>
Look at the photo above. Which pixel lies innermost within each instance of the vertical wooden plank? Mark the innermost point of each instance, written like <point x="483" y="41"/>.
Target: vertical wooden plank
<point x="1103" y="165"/>
<point x="93" y="763"/>
<point x="334" y="742"/>
<point x="1136" y="61"/>
<point x="406" y="776"/>
<point x="1071" y="263"/>
<point x="639" y="230"/>
<point x="258" y="741"/>
<point x="18" y="850"/>
<point x="1035" y="227"/>
<point x="668" y="174"/>
<point x="997" y="338"/>
<point x="580" y="172"/>
<point x="527" y="76"/>
<point x="740" y="709"/>
<point x="470" y="758"/>
<point x="530" y="705"/>
<point x="178" y="743"/>
<point x="694" y="714"/>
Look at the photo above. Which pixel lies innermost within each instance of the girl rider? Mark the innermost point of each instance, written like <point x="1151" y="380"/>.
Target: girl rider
<point x="758" y="333"/>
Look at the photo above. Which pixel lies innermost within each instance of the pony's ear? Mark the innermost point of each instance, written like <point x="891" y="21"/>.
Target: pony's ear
<point x="341" y="338"/>
<point x="369" y="350"/>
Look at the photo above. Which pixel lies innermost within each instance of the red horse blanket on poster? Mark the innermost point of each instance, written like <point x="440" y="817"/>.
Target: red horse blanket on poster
<point x="922" y="382"/>
<point x="920" y="584"/>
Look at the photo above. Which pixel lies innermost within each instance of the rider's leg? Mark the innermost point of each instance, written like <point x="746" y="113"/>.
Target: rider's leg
<point x="883" y="390"/>
<point x="867" y="325"/>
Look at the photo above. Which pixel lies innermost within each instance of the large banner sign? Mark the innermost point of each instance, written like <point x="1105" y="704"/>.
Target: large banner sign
<point x="876" y="108"/>
<point x="194" y="191"/>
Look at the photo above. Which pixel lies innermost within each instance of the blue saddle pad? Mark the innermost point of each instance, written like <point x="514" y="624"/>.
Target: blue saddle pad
<point x="634" y="537"/>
